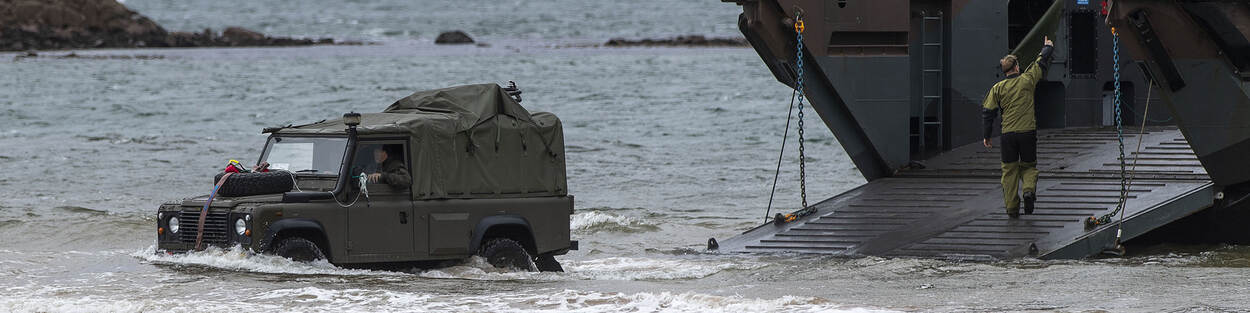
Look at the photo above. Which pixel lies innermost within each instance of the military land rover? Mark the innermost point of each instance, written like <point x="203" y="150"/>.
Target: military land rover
<point x="439" y="175"/>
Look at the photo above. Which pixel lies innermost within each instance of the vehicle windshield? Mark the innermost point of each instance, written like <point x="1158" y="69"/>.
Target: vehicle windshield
<point x="305" y="154"/>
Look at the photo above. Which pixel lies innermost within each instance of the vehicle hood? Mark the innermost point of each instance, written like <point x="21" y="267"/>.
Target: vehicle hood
<point x="229" y="202"/>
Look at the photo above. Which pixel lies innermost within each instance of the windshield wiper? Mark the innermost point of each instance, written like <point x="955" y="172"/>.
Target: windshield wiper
<point x="307" y="171"/>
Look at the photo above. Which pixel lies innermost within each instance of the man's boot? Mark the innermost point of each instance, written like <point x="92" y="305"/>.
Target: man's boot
<point x="1029" y="198"/>
<point x="1013" y="213"/>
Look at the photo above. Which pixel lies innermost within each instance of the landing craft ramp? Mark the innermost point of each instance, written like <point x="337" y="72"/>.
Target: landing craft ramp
<point x="899" y="81"/>
<point x="953" y="207"/>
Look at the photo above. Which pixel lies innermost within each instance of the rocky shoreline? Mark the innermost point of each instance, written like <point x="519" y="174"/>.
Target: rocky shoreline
<point x="29" y="25"/>
<point x="83" y="24"/>
<point x="679" y="41"/>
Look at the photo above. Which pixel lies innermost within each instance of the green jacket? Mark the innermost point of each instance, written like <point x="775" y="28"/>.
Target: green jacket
<point x="395" y="174"/>
<point x="1013" y="96"/>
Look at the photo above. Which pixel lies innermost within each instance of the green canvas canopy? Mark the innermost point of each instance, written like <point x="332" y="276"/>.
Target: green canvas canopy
<point x="467" y="141"/>
<point x="472" y="104"/>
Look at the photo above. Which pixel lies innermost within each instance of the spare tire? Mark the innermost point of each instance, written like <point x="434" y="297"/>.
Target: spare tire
<point x="247" y="184"/>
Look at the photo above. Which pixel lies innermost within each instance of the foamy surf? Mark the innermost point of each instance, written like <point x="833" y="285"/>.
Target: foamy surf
<point x="316" y="299"/>
<point x="84" y="304"/>
<point x="595" y="221"/>
<point x="238" y="259"/>
<point x="476" y="268"/>
<point x="626" y="268"/>
<point x="473" y="268"/>
<point x="547" y="300"/>
<point x="613" y="268"/>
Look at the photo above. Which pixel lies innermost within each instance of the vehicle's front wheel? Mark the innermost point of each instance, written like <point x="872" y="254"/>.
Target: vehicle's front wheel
<point x="298" y="249"/>
<point x="506" y="253"/>
<point x="548" y="263"/>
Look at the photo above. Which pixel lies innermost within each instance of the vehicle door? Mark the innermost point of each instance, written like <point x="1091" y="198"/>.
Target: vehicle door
<point x="380" y="221"/>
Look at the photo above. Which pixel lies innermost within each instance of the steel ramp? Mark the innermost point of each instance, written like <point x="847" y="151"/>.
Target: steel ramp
<point x="953" y="208"/>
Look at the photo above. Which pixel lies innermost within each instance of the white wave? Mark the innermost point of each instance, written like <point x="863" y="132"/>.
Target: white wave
<point x="596" y="220"/>
<point x="614" y="268"/>
<point x="625" y="268"/>
<point x="237" y="258"/>
<point x="476" y="268"/>
<point x="61" y="299"/>
<point x="92" y="304"/>
<point x="473" y="268"/>
<point x="347" y="300"/>
<point x="360" y="300"/>
<point x="589" y="301"/>
<point x="40" y="297"/>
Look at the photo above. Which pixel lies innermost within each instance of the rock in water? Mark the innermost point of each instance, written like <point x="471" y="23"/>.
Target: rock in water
<point x="61" y="24"/>
<point x="240" y="36"/>
<point x="453" y="37"/>
<point x="679" y="41"/>
<point x="78" y="24"/>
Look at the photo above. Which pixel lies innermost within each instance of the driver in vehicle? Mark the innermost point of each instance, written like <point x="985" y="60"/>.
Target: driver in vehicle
<point x="389" y="170"/>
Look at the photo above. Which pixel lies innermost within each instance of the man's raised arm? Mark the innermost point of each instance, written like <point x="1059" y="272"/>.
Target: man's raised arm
<point x="1037" y="71"/>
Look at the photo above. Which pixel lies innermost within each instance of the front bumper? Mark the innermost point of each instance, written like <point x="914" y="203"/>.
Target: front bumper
<point x="219" y="230"/>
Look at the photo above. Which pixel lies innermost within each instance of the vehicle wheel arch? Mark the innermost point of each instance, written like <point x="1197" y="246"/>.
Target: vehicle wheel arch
<point x="297" y="227"/>
<point x="504" y="226"/>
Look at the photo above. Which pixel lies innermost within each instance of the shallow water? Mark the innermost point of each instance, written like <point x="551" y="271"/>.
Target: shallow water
<point x="666" y="147"/>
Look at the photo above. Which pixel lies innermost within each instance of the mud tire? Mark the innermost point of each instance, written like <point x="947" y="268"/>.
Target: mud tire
<point x="506" y="253"/>
<point x="298" y="249"/>
<point x="547" y="263"/>
<point x="248" y="184"/>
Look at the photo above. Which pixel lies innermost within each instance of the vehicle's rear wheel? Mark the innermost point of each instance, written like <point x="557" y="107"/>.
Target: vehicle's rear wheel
<point x="298" y="249"/>
<point x="547" y="263"/>
<point x="506" y="253"/>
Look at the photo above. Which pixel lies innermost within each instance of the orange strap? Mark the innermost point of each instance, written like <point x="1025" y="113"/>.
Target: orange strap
<point x="199" y="236"/>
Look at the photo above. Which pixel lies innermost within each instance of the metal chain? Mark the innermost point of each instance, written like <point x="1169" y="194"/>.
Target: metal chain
<point x="798" y="85"/>
<point x="1119" y="129"/>
<point x="797" y="94"/>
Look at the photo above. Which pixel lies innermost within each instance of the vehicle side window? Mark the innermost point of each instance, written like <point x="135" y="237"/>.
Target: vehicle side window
<point x="385" y="165"/>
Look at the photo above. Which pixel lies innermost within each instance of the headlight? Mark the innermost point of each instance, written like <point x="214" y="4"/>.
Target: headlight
<point x="173" y="224"/>
<point x="240" y="226"/>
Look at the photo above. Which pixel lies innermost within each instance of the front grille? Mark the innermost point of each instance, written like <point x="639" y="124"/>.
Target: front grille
<point x="215" y="226"/>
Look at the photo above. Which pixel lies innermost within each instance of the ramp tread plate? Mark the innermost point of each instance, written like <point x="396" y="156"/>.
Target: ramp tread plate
<point x="954" y="206"/>
<point x="824" y="239"/>
<point x="1012" y="242"/>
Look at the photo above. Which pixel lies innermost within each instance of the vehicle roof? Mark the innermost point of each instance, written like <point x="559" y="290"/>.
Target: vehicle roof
<point x="452" y="109"/>
<point x="522" y="155"/>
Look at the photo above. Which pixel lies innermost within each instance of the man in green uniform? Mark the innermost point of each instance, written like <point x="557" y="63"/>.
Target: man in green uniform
<point x="1013" y="97"/>
<point x="389" y="170"/>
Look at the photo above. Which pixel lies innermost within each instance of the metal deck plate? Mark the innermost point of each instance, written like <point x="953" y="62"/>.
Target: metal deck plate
<point x="953" y="208"/>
